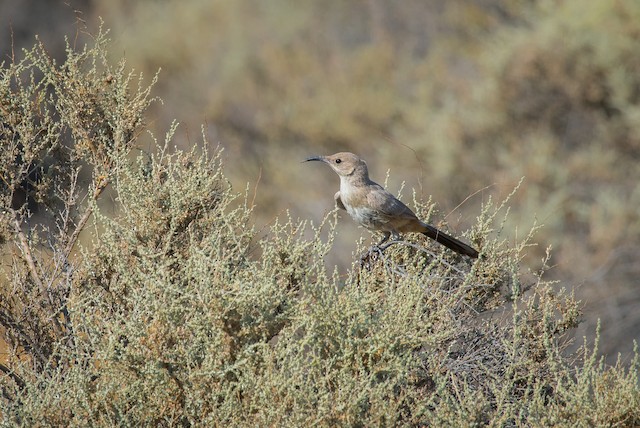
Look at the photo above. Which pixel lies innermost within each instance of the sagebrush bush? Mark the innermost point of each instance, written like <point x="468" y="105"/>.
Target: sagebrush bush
<point x="175" y="311"/>
<point x="483" y="93"/>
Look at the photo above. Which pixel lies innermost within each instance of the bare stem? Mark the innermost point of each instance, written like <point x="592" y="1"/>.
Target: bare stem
<point x="33" y="270"/>
<point x="17" y="379"/>
<point x="102" y="184"/>
<point x="26" y="251"/>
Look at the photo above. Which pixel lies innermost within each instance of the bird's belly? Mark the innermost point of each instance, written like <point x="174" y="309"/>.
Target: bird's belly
<point x="367" y="217"/>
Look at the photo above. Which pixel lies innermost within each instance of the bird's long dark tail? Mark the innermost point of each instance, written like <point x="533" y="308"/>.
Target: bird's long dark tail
<point x="450" y="242"/>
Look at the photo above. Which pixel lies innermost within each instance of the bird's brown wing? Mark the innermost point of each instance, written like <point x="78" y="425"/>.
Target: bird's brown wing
<point x="388" y="205"/>
<point x="339" y="203"/>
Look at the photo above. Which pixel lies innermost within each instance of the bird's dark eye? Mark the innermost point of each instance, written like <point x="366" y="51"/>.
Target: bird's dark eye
<point x="338" y="160"/>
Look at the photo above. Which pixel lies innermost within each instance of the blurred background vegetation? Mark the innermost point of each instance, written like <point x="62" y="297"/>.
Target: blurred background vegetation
<point x="459" y="98"/>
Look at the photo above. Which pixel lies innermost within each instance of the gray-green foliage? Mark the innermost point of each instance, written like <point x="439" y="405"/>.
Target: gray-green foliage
<point x="176" y="312"/>
<point x="56" y="119"/>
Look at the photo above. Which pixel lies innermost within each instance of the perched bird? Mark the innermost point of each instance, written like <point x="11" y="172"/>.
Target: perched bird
<point x="371" y="206"/>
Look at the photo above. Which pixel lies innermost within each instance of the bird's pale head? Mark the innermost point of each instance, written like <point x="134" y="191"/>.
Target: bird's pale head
<point x="343" y="163"/>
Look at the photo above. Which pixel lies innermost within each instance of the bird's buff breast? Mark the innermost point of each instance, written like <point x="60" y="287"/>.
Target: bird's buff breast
<point x="356" y="205"/>
<point x="367" y="217"/>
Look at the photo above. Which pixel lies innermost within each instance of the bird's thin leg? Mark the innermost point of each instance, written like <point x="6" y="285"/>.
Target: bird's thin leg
<point x="373" y="252"/>
<point x="395" y="237"/>
<point x="374" y="249"/>
<point x="384" y="238"/>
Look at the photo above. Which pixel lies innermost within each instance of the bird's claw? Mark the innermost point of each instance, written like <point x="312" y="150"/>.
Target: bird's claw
<point x="375" y="252"/>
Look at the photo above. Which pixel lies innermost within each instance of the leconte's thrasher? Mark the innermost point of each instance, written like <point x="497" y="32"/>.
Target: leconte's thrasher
<point x="371" y="206"/>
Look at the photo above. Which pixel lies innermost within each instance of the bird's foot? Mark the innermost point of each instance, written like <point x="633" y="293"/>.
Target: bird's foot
<point x="386" y="245"/>
<point x="369" y="257"/>
<point x="375" y="252"/>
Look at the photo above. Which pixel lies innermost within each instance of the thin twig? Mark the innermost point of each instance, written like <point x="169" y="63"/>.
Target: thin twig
<point x="26" y="251"/>
<point x="467" y="198"/>
<point x="26" y="342"/>
<point x="85" y="218"/>
<point x="422" y="249"/>
<point x="33" y="270"/>
<point x="17" y="379"/>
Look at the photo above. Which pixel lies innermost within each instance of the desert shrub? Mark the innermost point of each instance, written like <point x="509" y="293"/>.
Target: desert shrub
<point x="558" y="103"/>
<point x="175" y="311"/>
<point x="482" y="92"/>
<point x="57" y="120"/>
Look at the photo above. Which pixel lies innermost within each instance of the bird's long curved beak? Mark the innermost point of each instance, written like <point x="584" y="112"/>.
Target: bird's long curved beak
<point x="314" y="158"/>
